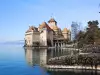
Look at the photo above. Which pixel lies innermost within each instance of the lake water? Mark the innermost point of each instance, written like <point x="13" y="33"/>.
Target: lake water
<point x="13" y="61"/>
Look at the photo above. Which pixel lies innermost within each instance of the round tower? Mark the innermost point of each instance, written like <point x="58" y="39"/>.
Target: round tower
<point x="65" y="33"/>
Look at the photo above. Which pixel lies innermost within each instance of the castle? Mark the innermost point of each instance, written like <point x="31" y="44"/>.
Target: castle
<point x="47" y="34"/>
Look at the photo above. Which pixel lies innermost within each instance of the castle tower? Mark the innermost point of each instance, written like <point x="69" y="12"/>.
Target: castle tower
<point x="65" y="33"/>
<point x="52" y="23"/>
<point x="31" y="36"/>
<point x="46" y="35"/>
<point x="56" y="30"/>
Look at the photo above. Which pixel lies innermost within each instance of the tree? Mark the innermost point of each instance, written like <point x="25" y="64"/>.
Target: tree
<point x="91" y="36"/>
<point x="92" y="33"/>
<point x="80" y="38"/>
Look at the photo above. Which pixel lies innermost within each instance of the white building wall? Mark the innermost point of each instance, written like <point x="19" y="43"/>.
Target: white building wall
<point x="36" y="36"/>
<point x="43" y="38"/>
<point x="65" y="35"/>
<point x="29" y="38"/>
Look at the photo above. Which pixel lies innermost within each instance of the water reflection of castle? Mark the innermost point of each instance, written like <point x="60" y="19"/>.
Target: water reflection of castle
<point x="35" y="56"/>
<point x="42" y="56"/>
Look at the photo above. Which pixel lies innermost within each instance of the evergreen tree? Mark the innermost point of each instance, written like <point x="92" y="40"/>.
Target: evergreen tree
<point x="91" y="36"/>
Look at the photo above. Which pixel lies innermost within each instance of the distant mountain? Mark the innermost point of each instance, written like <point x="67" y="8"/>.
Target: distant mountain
<point x="13" y="42"/>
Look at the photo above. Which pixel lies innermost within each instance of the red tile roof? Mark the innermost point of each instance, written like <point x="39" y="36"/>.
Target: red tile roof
<point x="44" y="25"/>
<point x="52" y="20"/>
<point x="31" y="28"/>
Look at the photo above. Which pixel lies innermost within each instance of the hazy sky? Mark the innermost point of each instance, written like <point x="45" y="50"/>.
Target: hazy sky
<point x="17" y="15"/>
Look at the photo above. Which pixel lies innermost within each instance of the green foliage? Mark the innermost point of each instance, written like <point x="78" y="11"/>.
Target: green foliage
<point x="90" y="36"/>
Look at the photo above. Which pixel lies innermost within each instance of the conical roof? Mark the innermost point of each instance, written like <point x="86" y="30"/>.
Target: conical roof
<point x="65" y="30"/>
<point x="55" y="28"/>
<point x="52" y="20"/>
<point x="44" y="25"/>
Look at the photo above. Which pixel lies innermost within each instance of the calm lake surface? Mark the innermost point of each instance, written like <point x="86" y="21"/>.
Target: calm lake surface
<point x="13" y="62"/>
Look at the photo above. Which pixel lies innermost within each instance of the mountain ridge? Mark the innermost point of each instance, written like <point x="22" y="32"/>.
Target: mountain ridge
<point x="13" y="42"/>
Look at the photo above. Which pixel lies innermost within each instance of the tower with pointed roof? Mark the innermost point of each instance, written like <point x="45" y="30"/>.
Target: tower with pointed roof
<point x="47" y="34"/>
<point x="52" y="23"/>
<point x="65" y="33"/>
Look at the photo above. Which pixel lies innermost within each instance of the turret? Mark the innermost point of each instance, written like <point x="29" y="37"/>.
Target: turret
<point x="65" y="33"/>
<point x="52" y="23"/>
